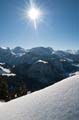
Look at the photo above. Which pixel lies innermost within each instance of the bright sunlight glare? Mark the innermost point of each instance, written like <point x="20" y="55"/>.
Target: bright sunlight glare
<point x="34" y="14"/>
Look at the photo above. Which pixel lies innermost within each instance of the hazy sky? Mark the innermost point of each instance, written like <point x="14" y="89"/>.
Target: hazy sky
<point x="59" y="29"/>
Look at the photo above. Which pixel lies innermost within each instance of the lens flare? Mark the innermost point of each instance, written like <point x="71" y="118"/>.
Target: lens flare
<point x="33" y="13"/>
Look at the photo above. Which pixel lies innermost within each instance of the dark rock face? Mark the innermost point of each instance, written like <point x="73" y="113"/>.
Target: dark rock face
<point x="43" y="73"/>
<point x="41" y="51"/>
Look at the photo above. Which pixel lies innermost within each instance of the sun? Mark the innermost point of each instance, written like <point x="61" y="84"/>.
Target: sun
<point x="34" y="14"/>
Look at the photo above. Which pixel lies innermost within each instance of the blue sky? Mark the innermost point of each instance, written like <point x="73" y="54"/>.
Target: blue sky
<point x="60" y="29"/>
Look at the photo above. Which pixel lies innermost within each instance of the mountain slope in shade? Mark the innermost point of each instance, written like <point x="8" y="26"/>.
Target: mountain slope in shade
<point x="57" y="102"/>
<point x="18" y="51"/>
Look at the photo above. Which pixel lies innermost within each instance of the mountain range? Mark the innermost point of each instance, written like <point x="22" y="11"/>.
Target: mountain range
<point x="23" y="70"/>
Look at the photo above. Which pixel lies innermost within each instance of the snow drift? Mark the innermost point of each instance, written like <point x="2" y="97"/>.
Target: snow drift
<point x="57" y="102"/>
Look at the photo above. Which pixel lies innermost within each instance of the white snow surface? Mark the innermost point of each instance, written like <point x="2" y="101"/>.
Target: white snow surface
<point x="6" y="72"/>
<point x="2" y="63"/>
<point x="57" y="102"/>
<point x="42" y="61"/>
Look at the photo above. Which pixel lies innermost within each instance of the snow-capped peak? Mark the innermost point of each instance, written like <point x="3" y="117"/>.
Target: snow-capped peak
<point x="18" y="51"/>
<point x="72" y="51"/>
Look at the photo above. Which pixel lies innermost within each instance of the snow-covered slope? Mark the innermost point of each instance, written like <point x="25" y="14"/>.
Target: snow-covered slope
<point x="4" y="71"/>
<point x="57" y="102"/>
